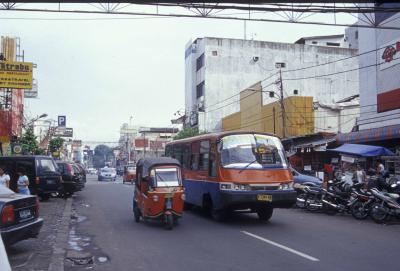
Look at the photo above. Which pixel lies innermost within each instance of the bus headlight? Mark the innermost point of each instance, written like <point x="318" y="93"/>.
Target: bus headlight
<point x="285" y="186"/>
<point x="225" y="186"/>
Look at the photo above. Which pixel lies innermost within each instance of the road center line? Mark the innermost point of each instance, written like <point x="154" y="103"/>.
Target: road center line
<point x="301" y="254"/>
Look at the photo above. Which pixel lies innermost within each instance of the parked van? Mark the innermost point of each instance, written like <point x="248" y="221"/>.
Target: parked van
<point x="42" y="171"/>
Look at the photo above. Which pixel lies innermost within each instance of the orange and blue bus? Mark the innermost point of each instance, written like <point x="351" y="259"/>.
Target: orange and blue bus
<point x="228" y="171"/>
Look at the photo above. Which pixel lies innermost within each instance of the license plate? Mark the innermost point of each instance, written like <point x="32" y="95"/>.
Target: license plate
<point x="264" y="198"/>
<point x="25" y="214"/>
<point x="50" y="181"/>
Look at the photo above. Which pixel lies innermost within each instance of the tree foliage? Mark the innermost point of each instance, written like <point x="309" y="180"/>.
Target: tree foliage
<point x="188" y="132"/>
<point x="29" y="143"/>
<point x="55" y="144"/>
<point x="102" y="154"/>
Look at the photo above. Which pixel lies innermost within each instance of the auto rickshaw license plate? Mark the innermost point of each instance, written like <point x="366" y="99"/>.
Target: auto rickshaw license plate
<point x="169" y="196"/>
<point x="264" y="198"/>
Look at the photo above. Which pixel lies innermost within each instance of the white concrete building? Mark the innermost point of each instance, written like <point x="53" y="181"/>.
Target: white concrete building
<point x="217" y="69"/>
<point x="380" y="83"/>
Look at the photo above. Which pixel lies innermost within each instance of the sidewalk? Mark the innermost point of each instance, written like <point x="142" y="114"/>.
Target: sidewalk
<point x="45" y="252"/>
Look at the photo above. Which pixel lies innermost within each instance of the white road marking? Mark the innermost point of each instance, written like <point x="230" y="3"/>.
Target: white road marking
<point x="301" y="254"/>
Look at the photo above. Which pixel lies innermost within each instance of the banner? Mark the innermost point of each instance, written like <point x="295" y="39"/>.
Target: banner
<point x="16" y="75"/>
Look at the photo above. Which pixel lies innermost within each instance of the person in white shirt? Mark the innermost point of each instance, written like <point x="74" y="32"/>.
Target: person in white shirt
<point x="23" y="182"/>
<point x="4" y="178"/>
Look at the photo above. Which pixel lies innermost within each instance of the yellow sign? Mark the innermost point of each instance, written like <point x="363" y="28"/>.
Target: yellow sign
<point x="15" y="74"/>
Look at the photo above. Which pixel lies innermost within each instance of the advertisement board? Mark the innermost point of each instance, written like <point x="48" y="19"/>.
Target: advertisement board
<point x="64" y="132"/>
<point x="16" y="75"/>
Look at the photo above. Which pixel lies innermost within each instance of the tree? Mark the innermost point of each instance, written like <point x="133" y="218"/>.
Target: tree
<point x="187" y="132"/>
<point x="29" y="143"/>
<point x="55" y="144"/>
<point x="102" y="154"/>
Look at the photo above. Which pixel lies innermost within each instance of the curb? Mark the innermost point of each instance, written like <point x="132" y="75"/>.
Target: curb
<point x="59" y="247"/>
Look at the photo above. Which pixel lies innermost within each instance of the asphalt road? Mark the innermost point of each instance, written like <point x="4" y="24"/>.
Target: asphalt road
<point x="292" y="240"/>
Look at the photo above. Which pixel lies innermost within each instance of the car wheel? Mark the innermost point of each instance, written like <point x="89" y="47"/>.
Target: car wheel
<point x="265" y="214"/>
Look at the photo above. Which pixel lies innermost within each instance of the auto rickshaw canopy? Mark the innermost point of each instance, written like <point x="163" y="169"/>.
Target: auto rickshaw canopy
<point x="144" y="165"/>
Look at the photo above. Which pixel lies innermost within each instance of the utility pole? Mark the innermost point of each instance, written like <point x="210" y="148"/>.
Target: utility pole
<point x="282" y="105"/>
<point x="144" y="144"/>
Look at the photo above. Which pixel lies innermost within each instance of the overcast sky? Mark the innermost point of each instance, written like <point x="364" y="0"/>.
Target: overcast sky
<point x="99" y="73"/>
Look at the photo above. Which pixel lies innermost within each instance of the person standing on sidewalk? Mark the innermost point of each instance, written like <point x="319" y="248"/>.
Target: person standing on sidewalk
<point x="23" y="182"/>
<point x="4" y="178"/>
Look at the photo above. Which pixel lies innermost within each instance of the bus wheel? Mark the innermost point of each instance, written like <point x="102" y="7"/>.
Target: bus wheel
<point x="219" y="215"/>
<point x="187" y="206"/>
<point x="265" y="213"/>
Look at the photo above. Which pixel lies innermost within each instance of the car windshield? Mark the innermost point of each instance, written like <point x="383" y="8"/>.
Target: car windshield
<point x="131" y="168"/>
<point x="47" y="165"/>
<point x="240" y="151"/>
<point x="165" y="177"/>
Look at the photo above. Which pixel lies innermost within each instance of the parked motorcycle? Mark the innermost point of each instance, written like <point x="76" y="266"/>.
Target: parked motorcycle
<point x="386" y="204"/>
<point x="361" y="202"/>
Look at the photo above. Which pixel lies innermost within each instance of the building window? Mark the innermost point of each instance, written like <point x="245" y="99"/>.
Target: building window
<point x="333" y="44"/>
<point x="356" y="35"/>
<point x="200" y="90"/>
<point x="214" y="53"/>
<point x="314" y="42"/>
<point x="200" y="62"/>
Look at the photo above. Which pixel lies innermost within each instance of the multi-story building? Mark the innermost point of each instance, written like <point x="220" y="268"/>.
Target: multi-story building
<point x="151" y="141"/>
<point x="218" y="69"/>
<point x="379" y="61"/>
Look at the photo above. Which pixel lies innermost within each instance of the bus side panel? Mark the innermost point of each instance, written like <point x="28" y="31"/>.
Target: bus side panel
<point x="195" y="190"/>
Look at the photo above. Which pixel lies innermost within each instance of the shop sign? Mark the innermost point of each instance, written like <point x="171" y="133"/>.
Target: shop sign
<point x="16" y="75"/>
<point x="348" y="159"/>
<point x="390" y="54"/>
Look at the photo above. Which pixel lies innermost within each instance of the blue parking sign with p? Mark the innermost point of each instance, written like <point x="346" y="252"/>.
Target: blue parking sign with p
<point x="62" y="121"/>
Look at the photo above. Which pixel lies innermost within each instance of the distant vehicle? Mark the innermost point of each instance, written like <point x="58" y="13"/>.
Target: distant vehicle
<point x="91" y="171"/>
<point x="228" y="171"/>
<point x="72" y="180"/>
<point x="42" y="171"/>
<point x="129" y="174"/>
<point x="19" y="216"/>
<point x="301" y="180"/>
<point x="107" y="173"/>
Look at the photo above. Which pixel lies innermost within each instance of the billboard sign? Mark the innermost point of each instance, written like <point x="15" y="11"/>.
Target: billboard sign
<point x="64" y="132"/>
<point x="62" y="121"/>
<point x="16" y="75"/>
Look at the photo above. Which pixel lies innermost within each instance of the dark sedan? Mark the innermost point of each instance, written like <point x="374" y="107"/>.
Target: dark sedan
<point x="19" y="216"/>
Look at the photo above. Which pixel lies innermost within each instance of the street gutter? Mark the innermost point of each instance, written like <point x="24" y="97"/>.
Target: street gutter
<point x="59" y="247"/>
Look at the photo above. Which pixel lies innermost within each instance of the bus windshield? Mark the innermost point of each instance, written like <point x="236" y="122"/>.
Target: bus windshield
<point x="238" y="151"/>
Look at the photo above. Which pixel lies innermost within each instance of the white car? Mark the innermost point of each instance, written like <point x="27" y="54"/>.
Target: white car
<point x="4" y="264"/>
<point x="107" y="173"/>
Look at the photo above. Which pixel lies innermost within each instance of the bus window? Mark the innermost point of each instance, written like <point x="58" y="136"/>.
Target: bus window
<point x="194" y="158"/>
<point x="204" y="155"/>
<point x="177" y="152"/>
<point x="186" y="156"/>
<point x="168" y="151"/>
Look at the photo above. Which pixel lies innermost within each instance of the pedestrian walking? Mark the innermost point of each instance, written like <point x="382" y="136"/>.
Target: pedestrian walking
<point x="4" y="178"/>
<point x="23" y="182"/>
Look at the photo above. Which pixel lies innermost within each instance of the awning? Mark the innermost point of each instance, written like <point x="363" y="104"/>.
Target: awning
<point x="362" y="150"/>
<point x="370" y="135"/>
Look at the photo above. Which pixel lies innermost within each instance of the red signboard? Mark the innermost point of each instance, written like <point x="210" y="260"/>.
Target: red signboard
<point x="388" y="100"/>
<point x="140" y="143"/>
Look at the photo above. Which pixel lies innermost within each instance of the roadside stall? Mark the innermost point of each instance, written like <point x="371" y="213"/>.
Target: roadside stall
<point x="392" y="165"/>
<point x="353" y="155"/>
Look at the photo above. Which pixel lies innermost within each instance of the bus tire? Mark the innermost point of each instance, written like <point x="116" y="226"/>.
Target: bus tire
<point x="219" y="215"/>
<point x="265" y="213"/>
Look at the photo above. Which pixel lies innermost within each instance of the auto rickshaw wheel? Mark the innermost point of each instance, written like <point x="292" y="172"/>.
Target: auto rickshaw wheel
<point x="136" y="213"/>
<point x="169" y="221"/>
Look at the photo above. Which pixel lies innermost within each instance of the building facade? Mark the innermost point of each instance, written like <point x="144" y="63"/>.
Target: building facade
<point x="379" y="61"/>
<point x="218" y="69"/>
